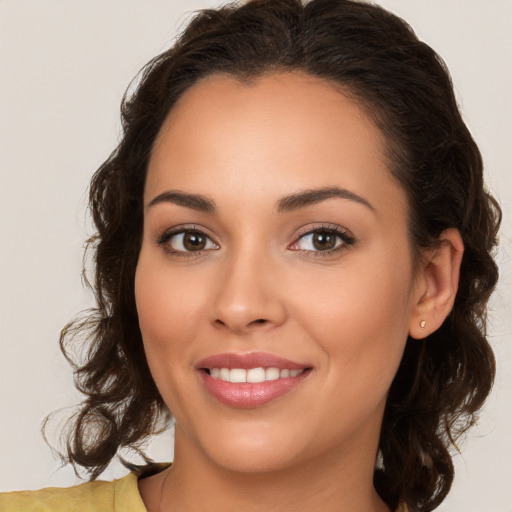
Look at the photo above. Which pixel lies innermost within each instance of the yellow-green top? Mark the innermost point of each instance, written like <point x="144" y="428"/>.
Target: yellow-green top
<point x="98" y="496"/>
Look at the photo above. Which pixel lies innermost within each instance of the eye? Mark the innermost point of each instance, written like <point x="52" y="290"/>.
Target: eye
<point x="187" y="241"/>
<point x="323" y="240"/>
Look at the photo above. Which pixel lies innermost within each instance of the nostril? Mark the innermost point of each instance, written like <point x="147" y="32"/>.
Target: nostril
<point x="239" y="324"/>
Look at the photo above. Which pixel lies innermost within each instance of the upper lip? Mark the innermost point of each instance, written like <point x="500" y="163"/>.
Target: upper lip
<point x="249" y="360"/>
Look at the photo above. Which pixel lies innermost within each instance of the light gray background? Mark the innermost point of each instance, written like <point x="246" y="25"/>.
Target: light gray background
<point x="64" y="65"/>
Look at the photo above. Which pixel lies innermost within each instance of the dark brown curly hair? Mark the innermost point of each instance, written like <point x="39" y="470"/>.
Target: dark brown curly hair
<point x="405" y="87"/>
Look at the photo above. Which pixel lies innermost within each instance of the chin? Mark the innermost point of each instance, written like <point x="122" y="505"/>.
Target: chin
<point x="253" y="461"/>
<point x="254" y="450"/>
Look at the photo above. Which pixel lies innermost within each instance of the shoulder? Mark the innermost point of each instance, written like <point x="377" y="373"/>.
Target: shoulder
<point x="96" y="496"/>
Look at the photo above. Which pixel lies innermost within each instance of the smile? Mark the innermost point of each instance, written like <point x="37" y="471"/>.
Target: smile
<point x="250" y="380"/>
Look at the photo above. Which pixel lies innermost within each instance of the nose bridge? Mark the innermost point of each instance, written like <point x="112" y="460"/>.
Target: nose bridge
<point x="246" y="296"/>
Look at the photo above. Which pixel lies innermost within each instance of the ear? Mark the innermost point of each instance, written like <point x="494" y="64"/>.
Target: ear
<point x="436" y="284"/>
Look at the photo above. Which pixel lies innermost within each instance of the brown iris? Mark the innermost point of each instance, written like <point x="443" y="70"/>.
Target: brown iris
<point x="323" y="240"/>
<point x="194" y="241"/>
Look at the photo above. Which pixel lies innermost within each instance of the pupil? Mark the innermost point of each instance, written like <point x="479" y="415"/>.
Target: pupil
<point x="194" y="241"/>
<point x="322" y="240"/>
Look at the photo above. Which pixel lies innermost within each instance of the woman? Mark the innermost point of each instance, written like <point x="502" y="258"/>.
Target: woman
<point x="293" y="256"/>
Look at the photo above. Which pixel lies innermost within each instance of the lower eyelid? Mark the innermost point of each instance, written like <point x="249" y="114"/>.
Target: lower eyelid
<point x="344" y="237"/>
<point x="165" y="239"/>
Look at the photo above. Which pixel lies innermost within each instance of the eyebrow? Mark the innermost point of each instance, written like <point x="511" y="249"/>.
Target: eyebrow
<point x="286" y="204"/>
<point x="194" y="201"/>
<point x="306" y="198"/>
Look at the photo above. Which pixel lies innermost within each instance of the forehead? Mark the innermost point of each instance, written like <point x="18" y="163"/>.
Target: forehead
<point x="281" y="132"/>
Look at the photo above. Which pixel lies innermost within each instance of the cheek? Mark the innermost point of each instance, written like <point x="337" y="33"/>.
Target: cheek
<point x="167" y="318"/>
<point x="168" y="304"/>
<point x="360" y="319"/>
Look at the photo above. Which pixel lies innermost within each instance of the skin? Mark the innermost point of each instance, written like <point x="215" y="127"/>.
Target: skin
<point x="259" y="286"/>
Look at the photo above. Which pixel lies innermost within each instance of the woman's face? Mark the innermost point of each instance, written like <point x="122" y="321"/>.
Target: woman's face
<point x="275" y="250"/>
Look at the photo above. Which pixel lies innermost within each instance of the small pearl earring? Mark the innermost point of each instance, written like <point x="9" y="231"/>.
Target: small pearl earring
<point x="422" y="324"/>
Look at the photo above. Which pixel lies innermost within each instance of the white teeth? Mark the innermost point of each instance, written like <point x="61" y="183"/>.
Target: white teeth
<point x="272" y="374"/>
<point x="237" y="375"/>
<point x="253" y="375"/>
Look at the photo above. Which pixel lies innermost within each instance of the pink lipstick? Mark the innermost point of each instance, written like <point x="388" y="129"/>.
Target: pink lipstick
<point x="250" y="380"/>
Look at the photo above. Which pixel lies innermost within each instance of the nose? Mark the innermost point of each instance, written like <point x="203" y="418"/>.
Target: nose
<point x="248" y="296"/>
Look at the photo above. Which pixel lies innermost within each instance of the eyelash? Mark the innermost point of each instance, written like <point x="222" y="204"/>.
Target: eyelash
<point x="166" y="237"/>
<point x="346" y="238"/>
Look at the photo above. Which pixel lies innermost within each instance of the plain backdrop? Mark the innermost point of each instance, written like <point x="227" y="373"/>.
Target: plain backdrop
<point x="64" y="65"/>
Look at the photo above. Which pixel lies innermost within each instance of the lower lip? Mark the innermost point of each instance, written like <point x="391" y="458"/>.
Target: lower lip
<point x="246" y="395"/>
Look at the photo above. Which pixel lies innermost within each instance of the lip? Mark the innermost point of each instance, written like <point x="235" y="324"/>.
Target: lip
<point x="249" y="360"/>
<point x="246" y="395"/>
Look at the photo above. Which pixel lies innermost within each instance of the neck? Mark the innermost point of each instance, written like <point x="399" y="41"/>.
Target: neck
<point x="328" y="482"/>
